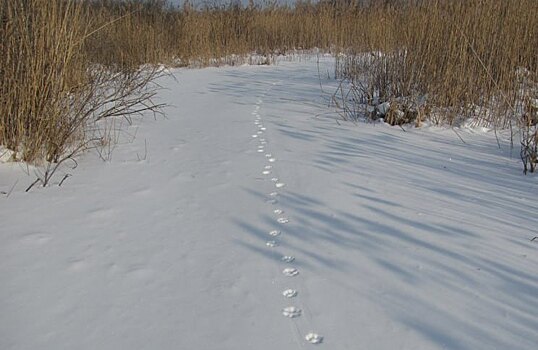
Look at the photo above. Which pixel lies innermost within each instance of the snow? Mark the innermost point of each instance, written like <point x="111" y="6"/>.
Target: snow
<point x="371" y="237"/>
<point x="6" y="155"/>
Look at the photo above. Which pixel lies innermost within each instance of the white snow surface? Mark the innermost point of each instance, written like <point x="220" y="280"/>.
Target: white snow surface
<point x="401" y="240"/>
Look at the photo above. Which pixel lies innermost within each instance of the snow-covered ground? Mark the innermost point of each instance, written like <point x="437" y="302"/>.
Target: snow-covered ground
<point x="401" y="240"/>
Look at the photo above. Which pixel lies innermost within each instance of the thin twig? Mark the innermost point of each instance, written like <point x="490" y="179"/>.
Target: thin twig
<point x="106" y="25"/>
<point x="32" y="185"/>
<point x="64" y="178"/>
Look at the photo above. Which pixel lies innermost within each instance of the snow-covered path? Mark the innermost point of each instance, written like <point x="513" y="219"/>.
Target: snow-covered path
<point x="402" y="240"/>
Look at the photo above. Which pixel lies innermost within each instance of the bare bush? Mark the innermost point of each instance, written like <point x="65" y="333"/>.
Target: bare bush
<point x="51" y="96"/>
<point x="108" y="95"/>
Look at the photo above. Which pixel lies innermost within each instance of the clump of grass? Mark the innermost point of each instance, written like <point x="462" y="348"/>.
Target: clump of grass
<point x="51" y="95"/>
<point x="464" y="56"/>
<point x="41" y="68"/>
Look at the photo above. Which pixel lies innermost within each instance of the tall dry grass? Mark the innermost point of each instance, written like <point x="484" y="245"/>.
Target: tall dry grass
<point x="52" y="94"/>
<point x="450" y="62"/>
<point x="468" y="59"/>
<point x="150" y="31"/>
<point x="446" y="60"/>
<point x="41" y="67"/>
<point x="58" y="58"/>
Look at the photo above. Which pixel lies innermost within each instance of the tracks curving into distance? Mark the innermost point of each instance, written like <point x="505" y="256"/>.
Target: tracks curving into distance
<point x="276" y="235"/>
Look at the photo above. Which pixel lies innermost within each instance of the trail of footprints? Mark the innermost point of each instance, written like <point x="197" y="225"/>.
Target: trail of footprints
<point x="288" y="272"/>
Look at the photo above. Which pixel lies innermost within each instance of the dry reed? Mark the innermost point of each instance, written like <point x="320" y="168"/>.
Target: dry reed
<point x="446" y="60"/>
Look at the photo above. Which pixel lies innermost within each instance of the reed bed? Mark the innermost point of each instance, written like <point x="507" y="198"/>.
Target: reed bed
<point x="468" y="58"/>
<point x="443" y="60"/>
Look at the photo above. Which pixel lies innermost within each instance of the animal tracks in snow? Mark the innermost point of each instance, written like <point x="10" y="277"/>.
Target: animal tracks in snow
<point x="314" y="338"/>
<point x="271" y="244"/>
<point x="290" y="293"/>
<point x="282" y="220"/>
<point x="287" y="259"/>
<point x="290" y="272"/>
<point x="289" y="311"/>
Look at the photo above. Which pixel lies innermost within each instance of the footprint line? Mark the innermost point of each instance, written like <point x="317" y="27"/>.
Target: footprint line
<point x="292" y="311"/>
